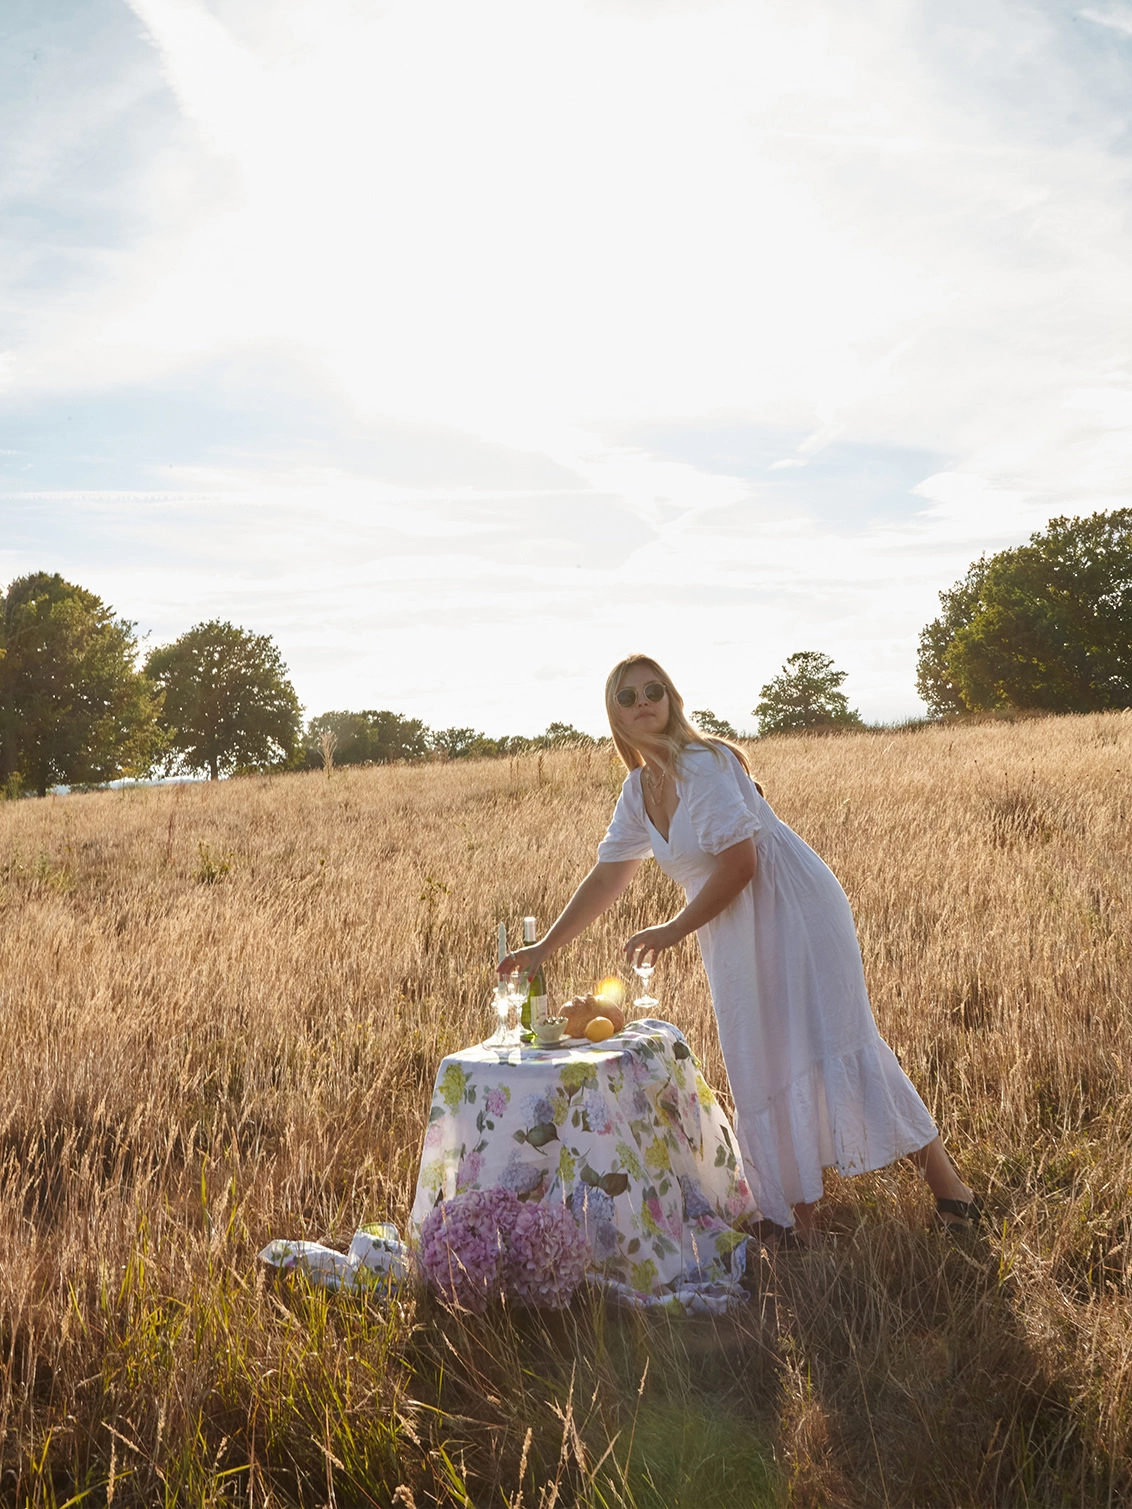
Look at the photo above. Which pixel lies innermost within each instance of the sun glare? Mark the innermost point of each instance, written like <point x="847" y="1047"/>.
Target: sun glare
<point x="611" y="989"/>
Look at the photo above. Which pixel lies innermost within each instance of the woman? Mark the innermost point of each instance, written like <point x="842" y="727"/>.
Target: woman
<point x="814" y="1084"/>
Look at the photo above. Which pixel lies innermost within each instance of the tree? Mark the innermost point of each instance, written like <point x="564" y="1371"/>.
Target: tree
<point x="74" y="708"/>
<point x="228" y="701"/>
<point x="1046" y="625"/>
<point x="706" y="721"/>
<point x="558" y="734"/>
<point x="462" y="743"/>
<point x="374" y="736"/>
<point x="806" y="695"/>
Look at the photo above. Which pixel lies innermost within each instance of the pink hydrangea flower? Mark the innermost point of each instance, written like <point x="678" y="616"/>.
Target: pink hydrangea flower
<point x="471" y="1165"/>
<point x="462" y="1246"/>
<point x="547" y="1256"/>
<point x="486" y="1242"/>
<point x="662" y="1222"/>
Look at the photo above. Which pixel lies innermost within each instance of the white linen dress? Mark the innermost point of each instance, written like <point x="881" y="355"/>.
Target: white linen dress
<point x="815" y="1086"/>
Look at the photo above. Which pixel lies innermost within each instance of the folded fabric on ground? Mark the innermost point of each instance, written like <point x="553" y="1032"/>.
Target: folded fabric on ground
<point x="377" y="1260"/>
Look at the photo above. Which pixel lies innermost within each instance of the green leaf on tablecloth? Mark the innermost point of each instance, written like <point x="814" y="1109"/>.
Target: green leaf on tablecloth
<point x="435" y="1114"/>
<point x="643" y="1276"/>
<point x="581" y="1120"/>
<point x="613" y="1184"/>
<point x="545" y="1132"/>
<point x="633" y="1247"/>
<point x="727" y="1241"/>
<point x="720" y="1156"/>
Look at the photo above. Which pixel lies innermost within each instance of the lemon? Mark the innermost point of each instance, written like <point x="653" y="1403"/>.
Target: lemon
<point x="598" y="1028"/>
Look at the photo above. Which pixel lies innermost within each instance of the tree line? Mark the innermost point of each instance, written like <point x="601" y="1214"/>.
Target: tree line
<point x="1045" y="626"/>
<point x="79" y="706"/>
<point x="1042" y="627"/>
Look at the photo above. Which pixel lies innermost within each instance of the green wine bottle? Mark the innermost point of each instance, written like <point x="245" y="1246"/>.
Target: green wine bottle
<point x="534" y="1007"/>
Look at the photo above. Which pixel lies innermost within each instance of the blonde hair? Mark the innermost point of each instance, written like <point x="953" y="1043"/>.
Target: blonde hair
<point x="678" y="732"/>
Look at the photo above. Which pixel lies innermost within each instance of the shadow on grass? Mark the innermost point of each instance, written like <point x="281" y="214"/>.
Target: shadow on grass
<point x="888" y="1365"/>
<point x="604" y="1406"/>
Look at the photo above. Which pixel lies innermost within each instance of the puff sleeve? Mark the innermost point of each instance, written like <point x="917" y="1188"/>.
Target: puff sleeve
<point x="720" y="798"/>
<point x="627" y="836"/>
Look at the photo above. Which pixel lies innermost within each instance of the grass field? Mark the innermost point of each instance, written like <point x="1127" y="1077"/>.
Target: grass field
<point x="222" y="1010"/>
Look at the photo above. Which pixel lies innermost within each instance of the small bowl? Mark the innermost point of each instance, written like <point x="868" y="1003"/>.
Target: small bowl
<point x="550" y="1032"/>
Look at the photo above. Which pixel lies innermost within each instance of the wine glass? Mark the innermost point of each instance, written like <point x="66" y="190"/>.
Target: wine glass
<point x="501" y="999"/>
<point x="644" y="972"/>
<point x="517" y="985"/>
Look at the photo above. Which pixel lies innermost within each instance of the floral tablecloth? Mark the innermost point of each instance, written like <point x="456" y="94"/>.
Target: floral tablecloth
<point x="626" y="1133"/>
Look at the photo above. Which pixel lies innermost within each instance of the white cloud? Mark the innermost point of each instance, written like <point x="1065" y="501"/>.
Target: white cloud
<point x="549" y="229"/>
<point x="1116" y="20"/>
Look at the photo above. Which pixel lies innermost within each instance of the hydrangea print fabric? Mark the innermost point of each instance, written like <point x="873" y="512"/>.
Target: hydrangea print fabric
<point x="624" y="1134"/>
<point x="485" y="1243"/>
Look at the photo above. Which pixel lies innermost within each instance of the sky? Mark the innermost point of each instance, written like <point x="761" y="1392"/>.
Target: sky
<point x="464" y="348"/>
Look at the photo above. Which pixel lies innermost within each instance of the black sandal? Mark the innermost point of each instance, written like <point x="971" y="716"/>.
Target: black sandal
<point x="970" y="1213"/>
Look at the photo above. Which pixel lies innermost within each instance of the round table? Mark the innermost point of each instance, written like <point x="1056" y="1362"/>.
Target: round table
<point x="626" y="1133"/>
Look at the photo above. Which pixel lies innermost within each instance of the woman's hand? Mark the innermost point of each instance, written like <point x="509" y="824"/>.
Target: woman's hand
<point x="597" y="892"/>
<point x="525" y="960"/>
<point x="731" y="872"/>
<point x="646" y="947"/>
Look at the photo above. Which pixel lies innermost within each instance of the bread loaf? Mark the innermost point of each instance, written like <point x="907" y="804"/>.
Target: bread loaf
<point x="582" y="1010"/>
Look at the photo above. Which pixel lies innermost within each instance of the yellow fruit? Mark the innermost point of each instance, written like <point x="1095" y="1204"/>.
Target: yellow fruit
<point x="598" y="1028"/>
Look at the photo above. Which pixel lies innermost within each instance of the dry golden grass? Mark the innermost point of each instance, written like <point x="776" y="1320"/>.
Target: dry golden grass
<point x="222" y="1010"/>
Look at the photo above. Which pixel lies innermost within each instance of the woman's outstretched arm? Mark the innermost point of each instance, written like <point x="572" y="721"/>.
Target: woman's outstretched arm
<point x="596" y="894"/>
<point x="733" y="870"/>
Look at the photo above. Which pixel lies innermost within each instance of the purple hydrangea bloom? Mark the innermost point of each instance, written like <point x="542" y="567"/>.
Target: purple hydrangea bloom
<point x="486" y="1242"/>
<point x="469" y="1170"/>
<point x="521" y="1178"/>
<point x="593" y="1209"/>
<point x="696" y="1203"/>
<point x="536" y="1110"/>
<point x="547" y="1256"/>
<point x="600" y="1117"/>
<point x="462" y="1246"/>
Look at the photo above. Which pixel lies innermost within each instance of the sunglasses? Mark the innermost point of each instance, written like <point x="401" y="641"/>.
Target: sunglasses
<point x="653" y="690"/>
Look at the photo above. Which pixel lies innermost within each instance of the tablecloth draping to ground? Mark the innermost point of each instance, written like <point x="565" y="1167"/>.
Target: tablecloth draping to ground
<point x="626" y="1133"/>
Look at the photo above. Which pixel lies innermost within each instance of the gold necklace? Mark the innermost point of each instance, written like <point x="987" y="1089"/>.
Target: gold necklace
<point x="656" y="785"/>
